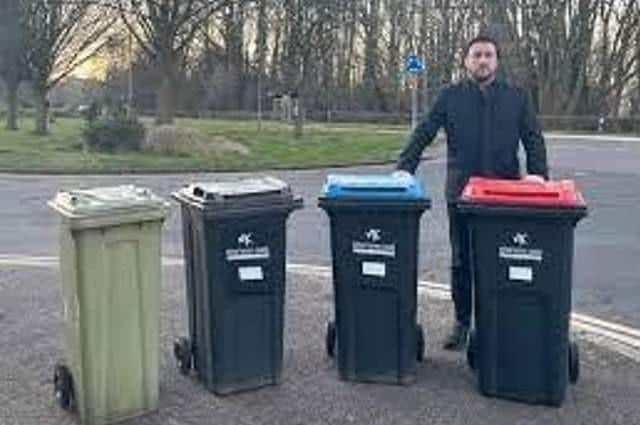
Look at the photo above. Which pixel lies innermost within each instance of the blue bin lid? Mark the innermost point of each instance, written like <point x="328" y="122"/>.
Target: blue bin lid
<point x="374" y="186"/>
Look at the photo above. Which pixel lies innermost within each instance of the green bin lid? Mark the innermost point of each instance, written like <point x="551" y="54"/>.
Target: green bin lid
<point x="102" y="201"/>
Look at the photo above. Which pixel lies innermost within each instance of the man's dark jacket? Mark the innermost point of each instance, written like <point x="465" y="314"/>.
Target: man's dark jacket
<point x="483" y="134"/>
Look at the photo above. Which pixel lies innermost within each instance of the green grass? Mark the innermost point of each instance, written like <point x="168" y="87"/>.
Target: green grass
<point x="272" y="146"/>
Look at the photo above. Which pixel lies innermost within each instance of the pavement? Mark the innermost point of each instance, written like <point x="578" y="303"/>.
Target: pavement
<point x="606" y="303"/>
<point x="445" y="391"/>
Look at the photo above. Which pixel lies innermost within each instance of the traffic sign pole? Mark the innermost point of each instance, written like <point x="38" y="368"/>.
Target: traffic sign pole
<point x="414" y="67"/>
<point x="414" y="102"/>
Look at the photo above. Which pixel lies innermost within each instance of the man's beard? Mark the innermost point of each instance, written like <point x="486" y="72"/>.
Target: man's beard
<point x="482" y="78"/>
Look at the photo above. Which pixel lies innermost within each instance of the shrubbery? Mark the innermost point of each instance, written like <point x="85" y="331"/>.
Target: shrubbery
<point x="114" y="134"/>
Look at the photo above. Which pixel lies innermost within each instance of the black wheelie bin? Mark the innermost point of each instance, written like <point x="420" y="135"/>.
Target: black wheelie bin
<point x="521" y="237"/>
<point x="375" y="227"/>
<point x="234" y="236"/>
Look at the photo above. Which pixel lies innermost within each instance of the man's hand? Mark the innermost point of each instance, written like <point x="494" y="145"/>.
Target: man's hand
<point x="401" y="174"/>
<point x="535" y="178"/>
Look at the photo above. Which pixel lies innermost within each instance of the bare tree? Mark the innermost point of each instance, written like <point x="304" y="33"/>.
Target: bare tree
<point x="635" y="96"/>
<point x="397" y="28"/>
<point x="561" y="53"/>
<point x="261" y="52"/>
<point x="370" y="20"/>
<point x="12" y="59"/>
<point x="346" y="57"/>
<point x="575" y="56"/>
<point x="308" y="22"/>
<point x="59" y="36"/>
<point x="617" y="63"/>
<point x="233" y="36"/>
<point x="166" y="30"/>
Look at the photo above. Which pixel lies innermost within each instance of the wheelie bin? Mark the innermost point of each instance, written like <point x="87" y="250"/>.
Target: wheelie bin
<point x="234" y="236"/>
<point x="521" y="244"/>
<point x="375" y="227"/>
<point x="110" y="261"/>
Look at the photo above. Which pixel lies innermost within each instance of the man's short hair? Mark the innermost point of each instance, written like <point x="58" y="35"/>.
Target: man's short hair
<point x="482" y="39"/>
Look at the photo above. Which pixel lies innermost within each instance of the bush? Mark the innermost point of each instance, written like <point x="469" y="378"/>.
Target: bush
<point x="114" y="134"/>
<point x="170" y="140"/>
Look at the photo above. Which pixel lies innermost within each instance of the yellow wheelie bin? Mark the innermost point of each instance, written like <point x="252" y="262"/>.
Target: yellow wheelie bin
<point x="110" y="262"/>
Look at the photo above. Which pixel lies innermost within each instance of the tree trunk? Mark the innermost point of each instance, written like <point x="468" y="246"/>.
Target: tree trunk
<point x="12" y="105"/>
<point x="262" y="52"/>
<point x="394" y="63"/>
<point x="42" y="111"/>
<point x="276" y="59"/>
<point x="635" y="108"/>
<point x="234" y="41"/>
<point x="636" y="78"/>
<point x="498" y="30"/>
<point x="165" y="103"/>
<point x="298" y="129"/>
<point x="353" y="14"/>
<point x="426" y="51"/>
<point x="302" y="90"/>
<point x="370" y="74"/>
<point x="447" y="48"/>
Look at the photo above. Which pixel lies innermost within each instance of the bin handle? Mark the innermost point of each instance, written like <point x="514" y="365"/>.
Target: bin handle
<point x="374" y="189"/>
<point x="201" y="193"/>
<point x="520" y="194"/>
<point x="197" y="191"/>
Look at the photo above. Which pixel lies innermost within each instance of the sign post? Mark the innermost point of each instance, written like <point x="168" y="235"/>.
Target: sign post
<point x="414" y="66"/>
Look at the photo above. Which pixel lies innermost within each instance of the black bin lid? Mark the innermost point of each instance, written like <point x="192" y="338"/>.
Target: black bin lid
<point x="240" y="194"/>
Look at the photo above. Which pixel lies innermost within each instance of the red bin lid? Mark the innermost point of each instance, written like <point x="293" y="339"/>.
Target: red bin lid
<point x="561" y="193"/>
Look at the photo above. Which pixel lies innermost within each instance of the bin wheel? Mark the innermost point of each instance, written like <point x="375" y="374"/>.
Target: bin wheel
<point x="574" y="362"/>
<point x="331" y="339"/>
<point x="182" y="353"/>
<point x="63" y="387"/>
<point x="472" y="350"/>
<point x="420" y="343"/>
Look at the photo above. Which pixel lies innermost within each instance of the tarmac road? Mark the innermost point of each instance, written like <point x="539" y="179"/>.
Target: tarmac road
<point x="607" y="253"/>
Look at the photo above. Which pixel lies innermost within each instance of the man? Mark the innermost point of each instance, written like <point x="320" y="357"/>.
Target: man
<point x="485" y="120"/>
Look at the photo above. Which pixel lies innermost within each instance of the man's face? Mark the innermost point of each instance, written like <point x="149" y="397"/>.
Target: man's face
<point x="482" y="61"/>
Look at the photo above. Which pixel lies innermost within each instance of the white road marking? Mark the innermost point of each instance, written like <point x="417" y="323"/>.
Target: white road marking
<point x="592" y="137"/>
<point x="622" y="339"/>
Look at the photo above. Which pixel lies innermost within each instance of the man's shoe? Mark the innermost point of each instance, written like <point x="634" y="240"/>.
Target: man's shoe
<point x="457" y="339"/>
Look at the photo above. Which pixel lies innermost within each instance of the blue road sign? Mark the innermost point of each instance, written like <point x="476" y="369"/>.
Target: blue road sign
<point x="414" y="64"/>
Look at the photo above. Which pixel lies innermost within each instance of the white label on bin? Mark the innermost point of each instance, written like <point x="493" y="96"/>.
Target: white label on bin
<point x="71" y="310"/>
<point x="520" y="254"/>
<point x="258" y="253"/>
<point x="524" y="274"/>
<point x="374" y="269"/>
<point x="250" y="273"/>
<point x="384" y="250"/>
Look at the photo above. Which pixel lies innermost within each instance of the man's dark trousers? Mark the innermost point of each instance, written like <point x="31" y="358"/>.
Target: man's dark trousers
<point x="460" y="267"/>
